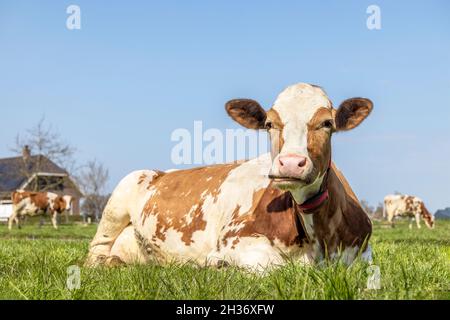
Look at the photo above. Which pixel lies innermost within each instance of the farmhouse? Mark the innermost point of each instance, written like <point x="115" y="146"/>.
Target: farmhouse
<point x="34" y="173"/>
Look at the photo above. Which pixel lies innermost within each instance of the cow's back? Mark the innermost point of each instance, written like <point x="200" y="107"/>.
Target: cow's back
<point x="18" y="196"/>
<point x="32" y="202"/>
<point x="401" y="205"/>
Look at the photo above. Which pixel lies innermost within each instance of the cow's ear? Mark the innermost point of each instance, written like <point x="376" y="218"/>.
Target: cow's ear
<point x="247" y="113"/>
<point x="352" y="112"/>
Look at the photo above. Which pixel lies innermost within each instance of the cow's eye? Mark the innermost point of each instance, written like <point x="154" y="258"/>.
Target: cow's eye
<point x="268" y="125"/>
<point x="327" y="124"/>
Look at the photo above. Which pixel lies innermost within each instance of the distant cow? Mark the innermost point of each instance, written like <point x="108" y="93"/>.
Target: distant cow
<point x="407" y="206"/>
<point x="37" y="203"/>
<point x="291" y="203"/>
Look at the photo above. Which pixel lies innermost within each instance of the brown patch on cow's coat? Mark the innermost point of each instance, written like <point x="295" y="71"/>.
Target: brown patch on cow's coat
<point x="178" y="199"/>
<point x="272" y="217"/>
<point x="409" y="203"/>
<point x="142" y="178"/>
<point x="319" y="140"/>
<point x="426" y="215"/>
<point x="341" y="222"/>
<point x="39" y="199"/>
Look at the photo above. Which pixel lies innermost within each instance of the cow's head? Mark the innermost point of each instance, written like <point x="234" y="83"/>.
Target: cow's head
<point x="427" y="216"/>
<point x="68" y="200"/>
<point x="300" y="124"/>
<point x="59" y="204"/>
<point x="62" y="203"/>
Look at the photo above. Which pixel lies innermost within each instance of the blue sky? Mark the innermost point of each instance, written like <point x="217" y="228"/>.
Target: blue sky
<point x="137" y="70"/>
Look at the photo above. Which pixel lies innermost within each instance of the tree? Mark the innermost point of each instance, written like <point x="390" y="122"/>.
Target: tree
<point x="38" y="144"/>
<point x="92" y="180"/>
<point x="367" y="208"/>
<point x="378" y="213"/>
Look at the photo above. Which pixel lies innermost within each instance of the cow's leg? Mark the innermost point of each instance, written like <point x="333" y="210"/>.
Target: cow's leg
<point x="255" y="254"/>
<point x="411" y="223"/>
<point x="41" y="221"/>
<point x="116" y="216"/>
<point x="418" y="220"/>
<point x="127" y="249"/>
<point x="18" y="222"/>
<point x="55" y="220"/>
<point x="12" y="219"/>
<point x="15" y="215"/>
<point x="391" y="220"/>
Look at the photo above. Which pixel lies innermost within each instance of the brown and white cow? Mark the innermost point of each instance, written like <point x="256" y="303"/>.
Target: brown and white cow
<point x="37" y="203"/>
<point x="407" y="206"/>
<point x="292" y="204"/>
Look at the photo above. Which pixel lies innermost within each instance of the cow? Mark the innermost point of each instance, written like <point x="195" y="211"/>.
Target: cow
<point x="290" y="204"/>
<point x="407" y="206"/>
<point x="27" y="203"/>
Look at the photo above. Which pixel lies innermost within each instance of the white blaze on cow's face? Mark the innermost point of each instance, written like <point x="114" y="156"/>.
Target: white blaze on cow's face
<point x="68" y="201"/>
<point x="300" y="124"/>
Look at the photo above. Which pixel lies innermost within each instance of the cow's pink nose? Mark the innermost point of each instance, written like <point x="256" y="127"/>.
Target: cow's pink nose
<point x="291" y="165"/>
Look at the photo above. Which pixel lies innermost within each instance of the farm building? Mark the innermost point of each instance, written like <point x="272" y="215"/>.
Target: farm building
<point x="34" y="173"/>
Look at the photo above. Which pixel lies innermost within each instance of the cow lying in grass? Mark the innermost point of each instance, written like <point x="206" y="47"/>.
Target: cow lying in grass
<point x="291" y="203"/>
<point x="37" y="203"/>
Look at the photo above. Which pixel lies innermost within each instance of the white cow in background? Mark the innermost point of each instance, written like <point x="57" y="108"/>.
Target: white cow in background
<point x="407" y="206"/>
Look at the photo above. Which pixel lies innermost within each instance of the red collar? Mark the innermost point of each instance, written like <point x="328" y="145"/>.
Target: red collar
<point x="314" y="202"/>
<point x="318" y="199"/>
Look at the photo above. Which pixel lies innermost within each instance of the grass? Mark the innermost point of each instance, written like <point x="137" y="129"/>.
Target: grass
<point x="414" y="264"/>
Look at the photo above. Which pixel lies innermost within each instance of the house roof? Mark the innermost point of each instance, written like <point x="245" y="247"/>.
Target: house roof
<point x="14" y="172"/>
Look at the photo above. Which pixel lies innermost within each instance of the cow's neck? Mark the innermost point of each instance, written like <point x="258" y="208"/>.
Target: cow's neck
<point x="320" y="219"/>
<point x="301" y="195"/>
